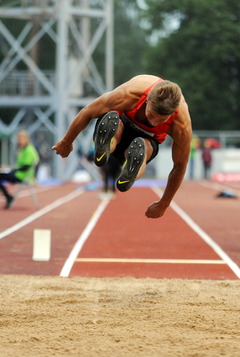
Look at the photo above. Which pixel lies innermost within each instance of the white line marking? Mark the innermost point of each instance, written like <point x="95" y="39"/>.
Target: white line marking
<point x="41" y="212"/>
<point x="232" y="265"/>
<point x="218" y="186"/>
<point x="25" y="192"/>
<point x="148" y="261"/>
<point x="82" y="239"/>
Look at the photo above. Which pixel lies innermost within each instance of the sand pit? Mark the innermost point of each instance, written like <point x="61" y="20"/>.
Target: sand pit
<point x="88" y="317"/>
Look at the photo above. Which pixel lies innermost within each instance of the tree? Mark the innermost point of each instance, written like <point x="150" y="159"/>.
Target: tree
<point x="202" y="54"/>
<point x="130" y="41"/>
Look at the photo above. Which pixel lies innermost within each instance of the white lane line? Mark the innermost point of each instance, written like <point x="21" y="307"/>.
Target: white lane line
<point x="41" y="212"/>
<point x="25" y="192"/>
<point x="149" y="261"/>
<point x="218" y="186"/>
<point x="82" y="239"/>
<point x="217" y="249"/>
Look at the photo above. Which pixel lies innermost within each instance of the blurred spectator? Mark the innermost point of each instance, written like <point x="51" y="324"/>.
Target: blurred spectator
<point x="110" y="172"/>
<point x="195" y="144"/>
<point x="207" y="160"/>
<point x="43" y="149"/>
<point x="27" y="158"/>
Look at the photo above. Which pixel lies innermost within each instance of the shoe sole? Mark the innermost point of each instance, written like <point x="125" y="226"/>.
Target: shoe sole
<point x="106" y="130"/>
<point x="135" y="158"/>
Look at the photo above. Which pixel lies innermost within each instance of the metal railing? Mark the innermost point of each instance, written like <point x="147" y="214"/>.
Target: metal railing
<point x="24" y="83"/>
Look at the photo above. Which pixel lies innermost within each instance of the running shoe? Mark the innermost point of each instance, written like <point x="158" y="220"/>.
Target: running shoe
<point x="106" y="130"/>
<point x="135" y="158"/>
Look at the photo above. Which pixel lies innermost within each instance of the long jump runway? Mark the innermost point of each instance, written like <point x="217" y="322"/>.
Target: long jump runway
<point x="197" y="238"/>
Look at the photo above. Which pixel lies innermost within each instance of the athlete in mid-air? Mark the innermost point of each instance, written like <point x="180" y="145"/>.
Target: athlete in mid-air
<point x="133" y="120"/>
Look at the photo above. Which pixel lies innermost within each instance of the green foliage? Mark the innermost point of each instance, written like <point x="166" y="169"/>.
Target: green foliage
<point x="202" y="54"/>
<point x="130" y="40"/>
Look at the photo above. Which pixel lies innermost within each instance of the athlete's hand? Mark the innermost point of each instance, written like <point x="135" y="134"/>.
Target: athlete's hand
<point x="155" y="210"/>
<point x="62" y="148"/>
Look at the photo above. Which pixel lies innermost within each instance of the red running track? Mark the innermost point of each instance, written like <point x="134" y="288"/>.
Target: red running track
<point x="121" y="241"/>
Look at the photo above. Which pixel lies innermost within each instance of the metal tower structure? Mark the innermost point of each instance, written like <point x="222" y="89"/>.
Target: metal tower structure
<point x="55" y="57"/>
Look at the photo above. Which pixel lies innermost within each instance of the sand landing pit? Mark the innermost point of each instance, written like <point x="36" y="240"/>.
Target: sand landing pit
<point x="122" y="317"/>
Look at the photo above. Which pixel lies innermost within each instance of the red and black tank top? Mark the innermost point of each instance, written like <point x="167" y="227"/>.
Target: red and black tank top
<point x="158" y="132"/>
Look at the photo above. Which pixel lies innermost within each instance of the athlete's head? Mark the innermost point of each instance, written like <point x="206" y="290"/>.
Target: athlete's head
<point x="165" y="97"/>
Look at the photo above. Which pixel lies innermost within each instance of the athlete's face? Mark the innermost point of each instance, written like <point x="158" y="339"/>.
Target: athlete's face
<point x="154" y="119"/>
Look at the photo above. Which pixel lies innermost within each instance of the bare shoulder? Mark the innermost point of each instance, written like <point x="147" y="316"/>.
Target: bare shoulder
<point x="141" y="82"/>
<point x="125" y="96"/>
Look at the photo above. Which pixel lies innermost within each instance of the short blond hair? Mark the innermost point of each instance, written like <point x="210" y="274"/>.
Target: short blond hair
<point x="24" y="133"/>
<point x="165" y="97"/>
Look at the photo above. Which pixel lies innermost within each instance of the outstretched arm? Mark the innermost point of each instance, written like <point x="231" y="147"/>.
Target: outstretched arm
<point x="182" y="135"/>
<point x="180" y="159"/>
<point x="64" y="146"/>
<point x="118" y="99"/>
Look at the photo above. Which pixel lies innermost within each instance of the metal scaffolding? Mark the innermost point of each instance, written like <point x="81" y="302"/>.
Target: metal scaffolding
<point x="49" y="97"/>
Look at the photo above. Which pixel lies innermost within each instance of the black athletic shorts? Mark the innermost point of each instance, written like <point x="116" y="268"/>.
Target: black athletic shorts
<point x="130" y="132"/>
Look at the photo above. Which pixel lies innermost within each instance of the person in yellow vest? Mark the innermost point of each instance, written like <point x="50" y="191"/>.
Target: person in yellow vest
<point x="27" y="158"/>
